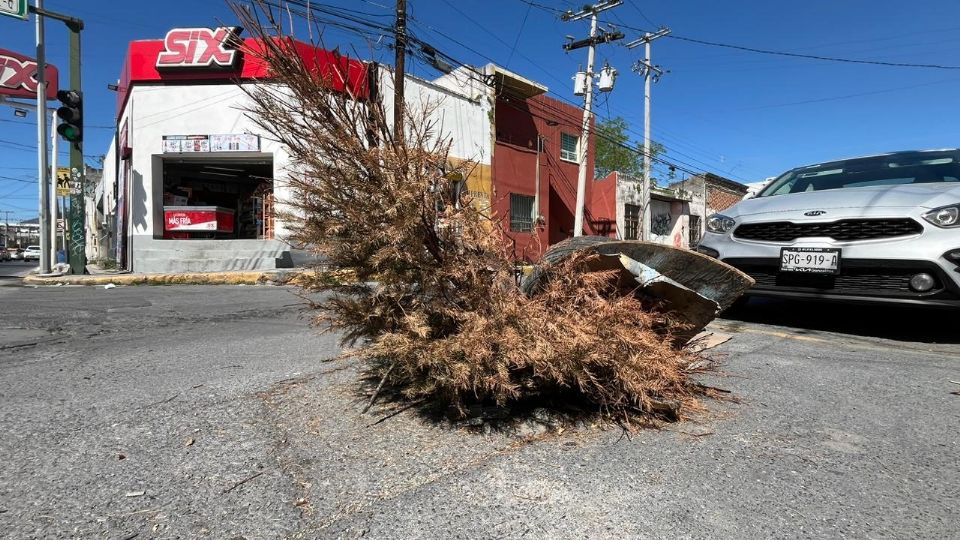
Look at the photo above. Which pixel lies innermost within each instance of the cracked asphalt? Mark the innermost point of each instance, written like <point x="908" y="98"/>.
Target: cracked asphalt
<point x="210" y="412"/>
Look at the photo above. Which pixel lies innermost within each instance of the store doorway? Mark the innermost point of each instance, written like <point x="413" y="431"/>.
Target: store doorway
<point x="218" y="199"/>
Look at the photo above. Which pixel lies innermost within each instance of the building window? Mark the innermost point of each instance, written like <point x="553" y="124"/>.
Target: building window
<point x="521" y="213"/>
<point x="694" y="231"/>
<point x="568" y="147"/>
<point x="631" y="222"/>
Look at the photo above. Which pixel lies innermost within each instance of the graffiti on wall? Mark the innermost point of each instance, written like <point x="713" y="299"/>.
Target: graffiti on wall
<point x="660" y="225"/>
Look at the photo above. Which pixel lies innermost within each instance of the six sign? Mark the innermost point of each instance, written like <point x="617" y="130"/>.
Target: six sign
<point x="18" y="75"/>
<point x="199" y="48"/>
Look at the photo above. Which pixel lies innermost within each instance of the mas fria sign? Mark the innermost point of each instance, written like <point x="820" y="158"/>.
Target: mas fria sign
<point x="18" y="76"/>
<point x="199" y="48"/>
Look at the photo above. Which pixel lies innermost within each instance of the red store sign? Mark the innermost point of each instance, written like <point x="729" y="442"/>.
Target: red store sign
<point x="204" y="55"/>
<point x="18" y="76"/>
<point x="199" y="48"/>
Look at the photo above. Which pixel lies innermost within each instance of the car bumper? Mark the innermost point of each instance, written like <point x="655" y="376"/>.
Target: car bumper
<point x="864" y="277"/>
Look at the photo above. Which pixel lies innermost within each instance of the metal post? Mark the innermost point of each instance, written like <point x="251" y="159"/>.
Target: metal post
<point x="42" y="176"/>
<point x="536" y="185"/>
<point x="63" y="233"/>
<point x="78" y="235"/>
<point x="584" y="143"/>
<point x="52" y="189"/>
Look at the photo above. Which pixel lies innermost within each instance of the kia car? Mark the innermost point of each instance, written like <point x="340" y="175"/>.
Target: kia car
<point x="882" y="228"/>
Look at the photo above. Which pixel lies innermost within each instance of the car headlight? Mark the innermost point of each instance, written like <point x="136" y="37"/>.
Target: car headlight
<point x="946" y="216"/>
<point x="719" y="223"/>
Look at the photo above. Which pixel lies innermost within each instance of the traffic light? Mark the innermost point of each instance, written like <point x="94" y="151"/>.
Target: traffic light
<point x="71" y="113"/>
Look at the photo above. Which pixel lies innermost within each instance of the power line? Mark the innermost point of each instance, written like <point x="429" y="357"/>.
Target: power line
<point x="796" y="55"/>
<point x="558" y="96"/>
<point x="642" y="14"/>
<point x="383" y="30"/>
<point x="519" y="33"/>
<point x="24" y="180"/>
<point x="667" y="149"/>
<point x="548" y="9"/>
<point x="813" y="56"/>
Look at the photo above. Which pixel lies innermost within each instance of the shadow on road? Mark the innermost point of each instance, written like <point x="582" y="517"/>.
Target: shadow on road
<point x="900" y="323"/>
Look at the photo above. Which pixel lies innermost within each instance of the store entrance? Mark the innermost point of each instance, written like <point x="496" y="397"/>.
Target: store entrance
<point x="219" y="199"/>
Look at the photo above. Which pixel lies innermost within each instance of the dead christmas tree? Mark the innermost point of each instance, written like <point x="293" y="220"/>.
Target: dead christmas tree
<point x="435" y="313"/>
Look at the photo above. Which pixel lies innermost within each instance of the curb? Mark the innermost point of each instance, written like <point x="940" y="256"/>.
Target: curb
<point x="272" y="277"/>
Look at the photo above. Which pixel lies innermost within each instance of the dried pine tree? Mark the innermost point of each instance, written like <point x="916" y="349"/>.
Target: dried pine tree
<point x="436" y="313"/>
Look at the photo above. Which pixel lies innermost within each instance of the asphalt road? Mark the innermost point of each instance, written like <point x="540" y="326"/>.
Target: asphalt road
<point x="12" y="271"/>
<point x="208" y="412"/>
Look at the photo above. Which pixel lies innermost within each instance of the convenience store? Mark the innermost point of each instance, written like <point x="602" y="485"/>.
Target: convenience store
<point x="197" y="182"/>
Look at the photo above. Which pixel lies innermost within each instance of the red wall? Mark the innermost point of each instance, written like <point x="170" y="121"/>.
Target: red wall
<point x="603" y="206"/>
<point x="518" y="123"/>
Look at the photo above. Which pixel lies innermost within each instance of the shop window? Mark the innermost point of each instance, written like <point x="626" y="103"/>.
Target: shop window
<point x="521" y="213"/>
<point x="218" y="199"/>
<point x="568" y="147"/>
<point x="631" y="222"/>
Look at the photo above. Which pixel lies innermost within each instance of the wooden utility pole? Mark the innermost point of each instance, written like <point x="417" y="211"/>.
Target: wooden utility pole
<point x="400" y="46"/>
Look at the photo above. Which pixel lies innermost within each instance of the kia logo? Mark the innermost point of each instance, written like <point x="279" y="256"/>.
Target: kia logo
<point x="814" y="213"/>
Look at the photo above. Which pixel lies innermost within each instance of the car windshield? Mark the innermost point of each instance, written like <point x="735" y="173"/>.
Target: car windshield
<point x="888" y="170"/>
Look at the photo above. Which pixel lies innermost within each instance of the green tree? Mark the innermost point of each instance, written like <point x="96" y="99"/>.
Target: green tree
<point x="615" y="152"/>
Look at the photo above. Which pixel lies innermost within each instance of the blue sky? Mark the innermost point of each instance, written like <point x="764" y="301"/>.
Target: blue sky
<point x="743" y="115"/>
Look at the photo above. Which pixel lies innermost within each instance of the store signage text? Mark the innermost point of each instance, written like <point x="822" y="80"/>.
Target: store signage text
<point x="197" y="219"/>
<point x="18" y="76"/>
<point x="236" y="142"/>
<point x="199" y="48"/>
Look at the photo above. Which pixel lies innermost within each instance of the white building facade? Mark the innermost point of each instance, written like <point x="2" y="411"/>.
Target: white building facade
<point x="191" y="183"/>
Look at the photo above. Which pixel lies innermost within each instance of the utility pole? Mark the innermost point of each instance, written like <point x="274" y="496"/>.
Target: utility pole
<point x="400" y="48"/>
<point x="78" y="234"/>
<point x="590" y="42"/>
<point x="42" y="172"/>
<point x="649" y="72"/>
<point x="78" y="239"/>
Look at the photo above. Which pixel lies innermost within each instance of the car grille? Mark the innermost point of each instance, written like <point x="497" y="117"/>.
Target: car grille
<point x="847" y="229"/>
<point x="864" y="280"/>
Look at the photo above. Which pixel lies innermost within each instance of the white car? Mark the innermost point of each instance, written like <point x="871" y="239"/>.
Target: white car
<point x="881" y="228"/>
<point x="32" y="253"/>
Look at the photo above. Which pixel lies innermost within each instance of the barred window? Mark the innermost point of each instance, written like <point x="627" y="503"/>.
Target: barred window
<point x="631" y="222"/>
<point x="521" y="213"/>
<point x="568" y="146"/>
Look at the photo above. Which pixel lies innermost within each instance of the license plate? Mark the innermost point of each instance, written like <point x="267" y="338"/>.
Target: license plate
<point x="811" y="260"/>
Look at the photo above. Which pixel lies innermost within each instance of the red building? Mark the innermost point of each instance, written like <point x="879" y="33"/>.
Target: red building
<point x="535" y="170"/>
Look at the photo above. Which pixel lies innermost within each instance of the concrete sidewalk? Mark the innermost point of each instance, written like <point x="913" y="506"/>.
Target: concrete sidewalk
<point x="257" y="277"/>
